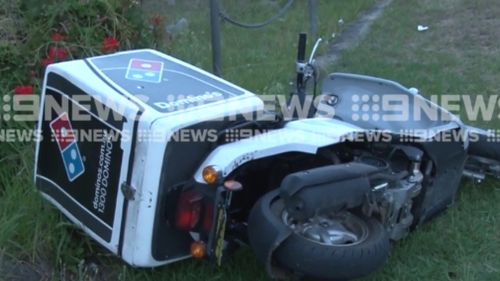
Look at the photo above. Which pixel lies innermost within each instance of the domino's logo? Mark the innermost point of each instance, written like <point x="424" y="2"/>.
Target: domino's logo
<point x="66" y="141"/>
<point x="144" y="70"/>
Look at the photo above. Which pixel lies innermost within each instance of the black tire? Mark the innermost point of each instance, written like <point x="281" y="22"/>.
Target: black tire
<point x="312" y="260"/>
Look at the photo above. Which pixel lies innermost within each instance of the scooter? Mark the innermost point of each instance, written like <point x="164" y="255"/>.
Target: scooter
<point x="189" y="165"/>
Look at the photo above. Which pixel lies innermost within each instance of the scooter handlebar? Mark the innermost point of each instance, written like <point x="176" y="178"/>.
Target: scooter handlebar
<point x="301" y="55"/>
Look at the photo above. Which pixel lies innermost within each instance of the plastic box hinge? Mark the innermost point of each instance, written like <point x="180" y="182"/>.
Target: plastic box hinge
<point x="128" y="191"/>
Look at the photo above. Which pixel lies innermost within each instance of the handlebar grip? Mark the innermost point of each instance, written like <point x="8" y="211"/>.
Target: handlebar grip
<point x="301" y="55"/>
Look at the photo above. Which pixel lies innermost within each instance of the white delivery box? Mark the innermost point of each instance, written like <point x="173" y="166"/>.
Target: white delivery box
<point x="113" y="150"/>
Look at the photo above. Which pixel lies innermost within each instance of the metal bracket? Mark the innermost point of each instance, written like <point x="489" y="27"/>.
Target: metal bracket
<point x="300" y="67"/>
<point x="477" y="168"/>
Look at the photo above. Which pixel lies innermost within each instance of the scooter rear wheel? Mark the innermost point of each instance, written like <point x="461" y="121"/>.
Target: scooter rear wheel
<point x="335" y="246"/>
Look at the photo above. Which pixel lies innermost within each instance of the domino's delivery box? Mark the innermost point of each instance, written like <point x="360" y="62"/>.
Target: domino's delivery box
<point x="105" y="157"/>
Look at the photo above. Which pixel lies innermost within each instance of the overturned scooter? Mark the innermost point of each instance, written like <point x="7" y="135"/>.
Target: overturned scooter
<point x="172" y="176"/>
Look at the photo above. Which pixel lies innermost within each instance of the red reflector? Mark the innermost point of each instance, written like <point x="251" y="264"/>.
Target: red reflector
<point x="188" y="210"/>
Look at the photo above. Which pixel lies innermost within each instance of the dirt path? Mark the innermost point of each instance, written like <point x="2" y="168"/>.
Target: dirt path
<point x="353" y="35"/>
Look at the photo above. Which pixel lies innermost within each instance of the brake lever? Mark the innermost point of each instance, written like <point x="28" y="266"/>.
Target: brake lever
<point x="309" y="66"/>
<point x="314" y="50"/>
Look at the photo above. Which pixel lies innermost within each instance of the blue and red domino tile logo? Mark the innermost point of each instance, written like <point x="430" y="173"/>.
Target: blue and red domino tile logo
<point x="145" y="70"/>
<point x="66" y="141"/>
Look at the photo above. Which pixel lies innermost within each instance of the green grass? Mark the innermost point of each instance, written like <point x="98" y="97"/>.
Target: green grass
<point x="460" y="54"/>
<point x="261" y="60"/>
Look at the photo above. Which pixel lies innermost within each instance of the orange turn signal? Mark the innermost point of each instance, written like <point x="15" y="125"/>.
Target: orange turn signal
<point x="198" y="249"/>
<point x="210" y="174"/>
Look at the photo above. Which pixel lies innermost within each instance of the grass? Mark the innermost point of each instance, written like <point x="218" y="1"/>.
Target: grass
<point x="458" y="55"/>
<point x="260" y="60"/>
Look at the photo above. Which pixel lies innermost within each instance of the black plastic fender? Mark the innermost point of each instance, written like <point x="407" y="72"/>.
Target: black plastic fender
<point x="325" y="188"/>
<point x="266" y="232"/>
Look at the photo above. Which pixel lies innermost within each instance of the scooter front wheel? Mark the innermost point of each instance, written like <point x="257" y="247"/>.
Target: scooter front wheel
<point x="330" y="246"/>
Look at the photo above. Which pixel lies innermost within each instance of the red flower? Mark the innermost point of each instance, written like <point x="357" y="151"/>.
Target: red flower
<point x="110" y="44"/>
<point x="46" y="62"/>
<point x="156" y="21"/>
<point x="52" y="54"/>
<point x="62" y="54"/>
<point x="57" y="37"/>
<point x="23" y="90"/>
<point x="57" y="53"/>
